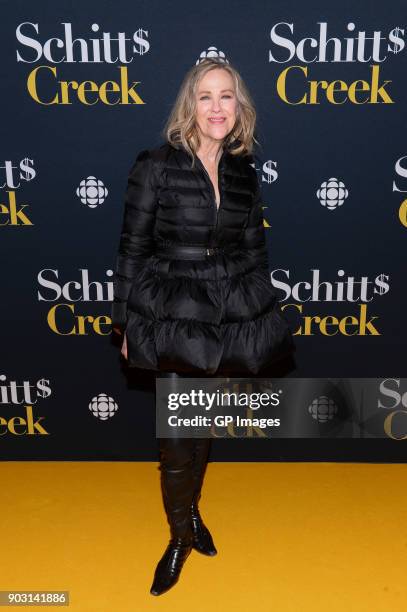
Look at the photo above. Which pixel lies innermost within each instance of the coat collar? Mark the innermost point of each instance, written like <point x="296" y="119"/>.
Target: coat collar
<point x="227" y="160"/>
<point x="226" y="150"/>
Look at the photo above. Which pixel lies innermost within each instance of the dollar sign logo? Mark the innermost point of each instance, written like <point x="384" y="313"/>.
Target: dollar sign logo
<point x="27" y="172"/>
<point x="43" y="388"/>
<point x="271" y="174"/>
<point x="398" y="41"/>
<point x="382" y="284"/>
<point x="143" y="45"/>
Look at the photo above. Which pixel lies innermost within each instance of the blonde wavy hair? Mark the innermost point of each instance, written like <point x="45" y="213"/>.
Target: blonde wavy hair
<point x="181" y="128"/>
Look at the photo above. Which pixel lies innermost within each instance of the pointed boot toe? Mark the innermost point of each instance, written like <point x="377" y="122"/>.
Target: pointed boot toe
<point x="170" y="565"/>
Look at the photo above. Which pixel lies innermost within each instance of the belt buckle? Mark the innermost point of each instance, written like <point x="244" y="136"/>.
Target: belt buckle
<point x="210" y="251"/>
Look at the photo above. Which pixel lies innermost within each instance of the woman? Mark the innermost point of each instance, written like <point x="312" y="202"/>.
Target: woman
<point x="192" y="290"/>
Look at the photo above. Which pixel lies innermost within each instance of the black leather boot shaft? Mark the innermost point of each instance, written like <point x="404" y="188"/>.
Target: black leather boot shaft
<point x="182" y="466"/>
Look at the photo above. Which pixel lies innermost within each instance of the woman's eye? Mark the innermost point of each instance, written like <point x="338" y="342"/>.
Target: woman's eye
<point x="224" y="96"/>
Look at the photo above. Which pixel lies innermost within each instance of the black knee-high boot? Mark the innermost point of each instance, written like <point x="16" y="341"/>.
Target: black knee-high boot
<point x="202" y="539"/>
<point x="177" y="492"/>
<point x="177" y="485"/>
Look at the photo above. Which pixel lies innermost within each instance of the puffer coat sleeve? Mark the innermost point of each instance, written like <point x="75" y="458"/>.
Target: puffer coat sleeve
<point x="254" y="237"/>
<point x="136" y="238"/>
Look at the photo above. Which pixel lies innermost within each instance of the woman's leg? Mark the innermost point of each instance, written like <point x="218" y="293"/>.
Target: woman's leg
<point x="177" y="486"/>
<point x="177" y="483"/>
<point x="196" y="450"/>
<point x="202" y="539"/>
<point x="200" y="460"/>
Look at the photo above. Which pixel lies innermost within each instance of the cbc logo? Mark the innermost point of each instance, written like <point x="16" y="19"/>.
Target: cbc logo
<point x="332" y="193"/>
<point x="103" y="407"/>
<point x="323" y="409"/>
<point x="92" y="192"/>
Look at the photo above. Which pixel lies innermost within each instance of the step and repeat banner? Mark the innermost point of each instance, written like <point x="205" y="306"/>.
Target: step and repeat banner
<point x="84" y="90"/>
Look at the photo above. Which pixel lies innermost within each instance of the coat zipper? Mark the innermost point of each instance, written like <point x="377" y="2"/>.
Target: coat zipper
<point x="213" y="191"/>
<point x="220" y="169"/>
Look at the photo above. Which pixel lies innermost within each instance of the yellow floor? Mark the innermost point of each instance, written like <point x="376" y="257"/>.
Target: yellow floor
<point x="294" y="537"/>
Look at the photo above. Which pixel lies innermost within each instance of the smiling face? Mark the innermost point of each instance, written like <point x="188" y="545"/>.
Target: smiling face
<point x="216" y="105"/>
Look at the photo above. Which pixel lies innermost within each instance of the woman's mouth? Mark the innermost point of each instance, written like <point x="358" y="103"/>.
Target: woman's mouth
<point x="216" y="119"/>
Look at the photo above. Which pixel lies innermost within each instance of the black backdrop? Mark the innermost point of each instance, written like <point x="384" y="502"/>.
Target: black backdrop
<point x="334" y="178"/>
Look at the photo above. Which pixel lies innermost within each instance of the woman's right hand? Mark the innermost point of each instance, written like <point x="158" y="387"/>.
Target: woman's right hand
<point x="124" y="346"/>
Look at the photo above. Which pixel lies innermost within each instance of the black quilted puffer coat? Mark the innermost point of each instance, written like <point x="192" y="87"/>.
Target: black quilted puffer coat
<point x="215" y="315"/>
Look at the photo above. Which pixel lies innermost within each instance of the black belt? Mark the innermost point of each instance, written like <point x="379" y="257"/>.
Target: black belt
<point x="188" y="252"/>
